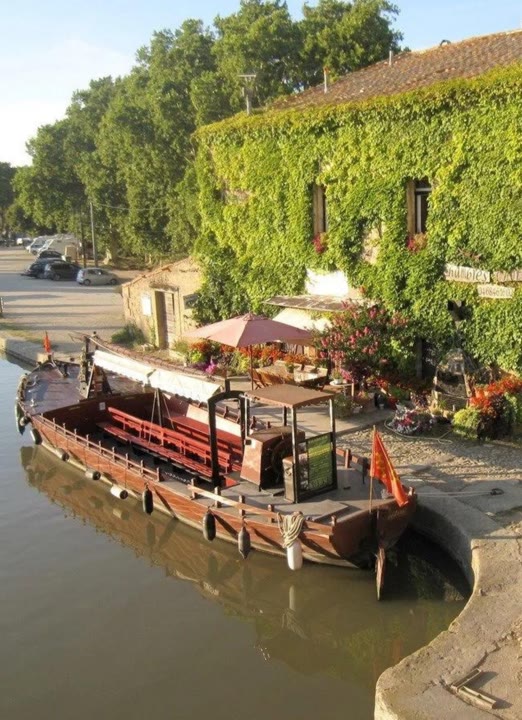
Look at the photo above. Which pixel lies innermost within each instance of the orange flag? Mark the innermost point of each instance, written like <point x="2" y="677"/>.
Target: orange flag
<point x="47" y="343"/>
<point x="383" y="470"/>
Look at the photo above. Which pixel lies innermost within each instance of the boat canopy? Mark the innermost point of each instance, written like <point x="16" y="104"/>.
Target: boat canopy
<point x="171" y="381"/>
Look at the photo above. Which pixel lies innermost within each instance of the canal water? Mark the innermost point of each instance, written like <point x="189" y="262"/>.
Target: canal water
<point x="108" y="613"/>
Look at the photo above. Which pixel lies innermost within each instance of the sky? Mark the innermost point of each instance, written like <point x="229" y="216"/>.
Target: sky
<point x="50" y="48"/>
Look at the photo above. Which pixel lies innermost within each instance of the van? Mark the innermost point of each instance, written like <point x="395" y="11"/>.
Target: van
<point x="61" y="243"/>
<point x="38" y="244"/>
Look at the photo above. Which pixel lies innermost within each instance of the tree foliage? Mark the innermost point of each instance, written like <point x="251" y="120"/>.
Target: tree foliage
<point x="7" y="174"/>
<point x="125" y="145"/>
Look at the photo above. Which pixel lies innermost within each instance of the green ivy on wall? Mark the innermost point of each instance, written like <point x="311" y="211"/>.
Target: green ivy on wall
<point x="256" y="174"/>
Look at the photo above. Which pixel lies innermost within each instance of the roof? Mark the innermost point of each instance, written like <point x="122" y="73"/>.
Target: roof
<point x="289" y="396"/>
<point x="412" y="70"/>
<point x="321" y="303"/>
<point x="188" y="263"/>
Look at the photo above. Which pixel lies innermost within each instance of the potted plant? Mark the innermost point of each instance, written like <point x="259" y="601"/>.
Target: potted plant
<point x="337" y="378"/>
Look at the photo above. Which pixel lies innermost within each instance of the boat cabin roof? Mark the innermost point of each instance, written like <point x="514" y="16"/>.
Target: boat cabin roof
<point x="287" y="396"/>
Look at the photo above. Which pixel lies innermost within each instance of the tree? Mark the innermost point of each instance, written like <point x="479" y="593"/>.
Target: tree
<point x="260" y="38"/>
<point x="344" y="36"/>
<point x="7" y="174"/>
<point x="50" y="191"/>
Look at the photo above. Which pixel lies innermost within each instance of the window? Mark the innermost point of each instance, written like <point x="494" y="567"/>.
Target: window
<point x="319" y="210"/>
<point x="418" y="205"/>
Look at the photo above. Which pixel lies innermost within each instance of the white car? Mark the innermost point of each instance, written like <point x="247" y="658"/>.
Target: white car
<point x="96" y="276"/>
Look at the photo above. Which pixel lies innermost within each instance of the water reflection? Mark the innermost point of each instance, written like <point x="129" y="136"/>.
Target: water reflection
<point x="320" y="620"/>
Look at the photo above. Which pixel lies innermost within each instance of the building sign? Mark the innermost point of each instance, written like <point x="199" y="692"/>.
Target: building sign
<point x="514" y="276"/>
<point x="495" y="291"/>
<point x="461" y="273"/>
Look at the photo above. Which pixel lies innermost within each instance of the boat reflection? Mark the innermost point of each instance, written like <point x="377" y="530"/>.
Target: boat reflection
<point x="318" y="620"/>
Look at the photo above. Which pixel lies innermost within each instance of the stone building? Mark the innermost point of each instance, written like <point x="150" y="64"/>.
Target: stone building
<point x="160" y="302"/>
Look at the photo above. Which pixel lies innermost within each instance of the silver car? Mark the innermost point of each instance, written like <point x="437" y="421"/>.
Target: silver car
<point x="96" y="276"/>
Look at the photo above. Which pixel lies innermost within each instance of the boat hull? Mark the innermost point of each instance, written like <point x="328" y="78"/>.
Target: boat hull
<point x="352" y="541"/>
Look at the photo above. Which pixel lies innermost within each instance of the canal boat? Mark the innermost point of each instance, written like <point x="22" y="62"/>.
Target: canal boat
<point x="237" y="465"/>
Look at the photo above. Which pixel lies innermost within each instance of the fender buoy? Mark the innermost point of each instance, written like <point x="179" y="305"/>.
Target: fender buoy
<point x="19" y="417"/>
<point x="119" y="492"/>
<point x="93" y="474"/>
<point x="147" y="501"/>
<point x="35" y="434"/>
<point x="209" y="526"/>
<point x="64" y="456"/>
<point x="243" y="543"/>
<point x="294" y="555"/>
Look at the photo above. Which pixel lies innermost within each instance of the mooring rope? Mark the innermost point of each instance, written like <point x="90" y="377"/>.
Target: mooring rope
<point x="290" y="527"/>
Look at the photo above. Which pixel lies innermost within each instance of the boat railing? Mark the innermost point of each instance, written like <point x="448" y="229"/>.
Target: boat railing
<point x="245" y="508"/>
<point x="148" y="475"/>
<point x="121" y="460"/>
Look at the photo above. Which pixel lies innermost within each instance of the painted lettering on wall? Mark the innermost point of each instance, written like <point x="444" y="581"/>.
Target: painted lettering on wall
<point x="461" y="273"/>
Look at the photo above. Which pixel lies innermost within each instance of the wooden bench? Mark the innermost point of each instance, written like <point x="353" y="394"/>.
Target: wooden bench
<point x="155" y="449"/>
<point x="157" y="437"/>
<point x="226" y="442"/>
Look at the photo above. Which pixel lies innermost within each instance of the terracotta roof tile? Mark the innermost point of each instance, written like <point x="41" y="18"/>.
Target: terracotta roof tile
<point x="412" y="70"/>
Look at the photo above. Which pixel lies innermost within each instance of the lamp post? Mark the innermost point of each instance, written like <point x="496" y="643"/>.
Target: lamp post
<point x="94" y="251"/>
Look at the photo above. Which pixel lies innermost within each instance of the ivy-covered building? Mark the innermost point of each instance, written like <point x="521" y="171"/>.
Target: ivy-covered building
<point x="406" y="176"/>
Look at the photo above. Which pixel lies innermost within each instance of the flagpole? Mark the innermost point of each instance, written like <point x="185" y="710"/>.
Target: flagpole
<point x="371" y="471"/>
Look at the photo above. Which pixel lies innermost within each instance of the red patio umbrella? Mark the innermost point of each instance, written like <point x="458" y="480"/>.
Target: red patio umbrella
<point x="248" y="330"/>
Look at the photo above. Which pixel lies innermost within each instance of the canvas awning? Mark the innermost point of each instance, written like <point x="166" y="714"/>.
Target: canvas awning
<point x="188" y="386"/>
<point x="175" y="382"/>
<point x="125" y="366"/>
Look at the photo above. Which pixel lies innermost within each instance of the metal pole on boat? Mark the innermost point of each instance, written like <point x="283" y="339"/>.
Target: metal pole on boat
<point x="371" y="470"/>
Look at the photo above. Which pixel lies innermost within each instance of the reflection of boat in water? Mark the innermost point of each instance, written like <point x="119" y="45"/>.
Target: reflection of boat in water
<point x="316" y="621"/>
<point x="274" y="488"/>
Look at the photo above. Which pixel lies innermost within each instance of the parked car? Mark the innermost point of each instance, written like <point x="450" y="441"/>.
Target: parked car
<point x="48" y="254"/>
<point x="60" y="271"/>
<point x="96" y="276"/>
<point x="36" y="269"/>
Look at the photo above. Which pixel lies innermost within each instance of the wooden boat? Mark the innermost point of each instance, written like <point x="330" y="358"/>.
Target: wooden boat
<point x="197" y="452"/>
<point x="299" y="619"/>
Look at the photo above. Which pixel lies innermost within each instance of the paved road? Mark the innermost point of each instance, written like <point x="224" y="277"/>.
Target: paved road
<point x="60" y="308"/>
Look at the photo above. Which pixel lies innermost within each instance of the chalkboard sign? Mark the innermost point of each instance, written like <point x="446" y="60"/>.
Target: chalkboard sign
<point x="321" y="464"/>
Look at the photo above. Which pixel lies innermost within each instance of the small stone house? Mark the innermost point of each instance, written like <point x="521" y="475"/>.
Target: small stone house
<point x="160" y="302"/>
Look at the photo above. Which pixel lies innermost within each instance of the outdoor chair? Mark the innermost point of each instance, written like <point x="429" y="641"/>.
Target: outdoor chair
<point x="256" y="379"/>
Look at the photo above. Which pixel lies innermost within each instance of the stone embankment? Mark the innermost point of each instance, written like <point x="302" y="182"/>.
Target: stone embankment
<point x="470" y="504"/>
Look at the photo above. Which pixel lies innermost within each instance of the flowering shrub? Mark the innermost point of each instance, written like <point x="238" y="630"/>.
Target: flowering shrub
<point x="498" y="406"/>
<point x="364" y="341"/>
